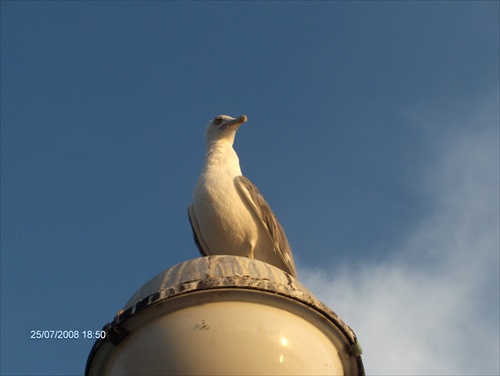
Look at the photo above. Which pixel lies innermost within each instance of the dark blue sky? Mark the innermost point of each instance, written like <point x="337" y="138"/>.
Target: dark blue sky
<point x="356" y="112"/>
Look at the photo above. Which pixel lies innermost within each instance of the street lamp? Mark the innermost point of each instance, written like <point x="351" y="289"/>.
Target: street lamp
<point x="225" y="315"/>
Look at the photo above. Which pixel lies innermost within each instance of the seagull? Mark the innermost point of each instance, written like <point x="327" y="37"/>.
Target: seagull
<point x="228" y="215"/>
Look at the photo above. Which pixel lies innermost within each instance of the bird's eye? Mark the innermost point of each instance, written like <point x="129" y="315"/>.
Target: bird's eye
<point x="218" y="120"/>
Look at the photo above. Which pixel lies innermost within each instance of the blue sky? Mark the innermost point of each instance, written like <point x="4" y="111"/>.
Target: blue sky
<point x="372" y="132"/>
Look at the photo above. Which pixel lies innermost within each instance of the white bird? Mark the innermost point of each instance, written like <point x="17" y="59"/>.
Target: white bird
<point x="228" y="214"/>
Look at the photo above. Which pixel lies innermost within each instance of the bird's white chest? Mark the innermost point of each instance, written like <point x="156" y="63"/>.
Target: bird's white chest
<point x="226" y="223"/>
<point x="223" y="217"/>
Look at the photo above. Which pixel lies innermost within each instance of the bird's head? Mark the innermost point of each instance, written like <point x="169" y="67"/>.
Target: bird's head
<point x="223" y="127"/>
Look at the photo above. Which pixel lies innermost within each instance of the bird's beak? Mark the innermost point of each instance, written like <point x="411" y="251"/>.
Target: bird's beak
<point x="236" y="122"/>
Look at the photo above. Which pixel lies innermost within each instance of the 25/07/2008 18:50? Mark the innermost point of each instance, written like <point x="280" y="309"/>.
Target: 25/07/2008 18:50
<point x="67" y="334"/>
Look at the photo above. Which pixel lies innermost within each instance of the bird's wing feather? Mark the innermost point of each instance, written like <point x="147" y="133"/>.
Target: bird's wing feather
<point x="198" y="239"/>
<point x="261" y="208"/>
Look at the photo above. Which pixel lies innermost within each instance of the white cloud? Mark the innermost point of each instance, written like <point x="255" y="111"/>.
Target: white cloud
<point x="434" y="308"/>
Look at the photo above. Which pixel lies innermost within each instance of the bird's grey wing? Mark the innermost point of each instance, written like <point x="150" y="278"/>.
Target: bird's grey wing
<point x="198" y="239"/>
<point x="261" y="208"/>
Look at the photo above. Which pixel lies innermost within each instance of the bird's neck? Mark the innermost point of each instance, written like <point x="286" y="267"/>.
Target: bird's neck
<point x="221" y="156"/>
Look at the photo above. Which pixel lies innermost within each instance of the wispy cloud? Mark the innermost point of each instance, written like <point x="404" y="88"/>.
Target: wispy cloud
<point x="434" y="308"/>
